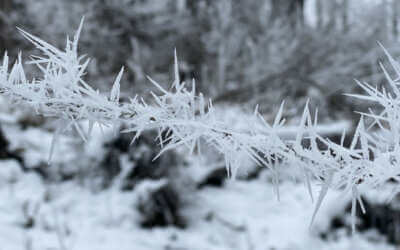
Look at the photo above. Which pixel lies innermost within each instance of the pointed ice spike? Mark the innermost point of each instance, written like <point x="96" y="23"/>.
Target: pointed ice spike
<point x="321" y="196"/>
<point x="390" y="80"/>
<point x="174" y="145"/>
<point x="393" y="62"/>
<point x="228" y="167"/>
<point x="21" y="69"/>
<point x="373" y="93"/>
<point x="202" y="105"/>
<point x="77" y="35"/>
<point x="308" y="183"/>
<point x="137" y="135"/>
<point x="176" y="70"/>
<point x="303" y="122"/>
<point x="68" y="44"/>
<point x="356" y="136"/>
<point x="361" y="203"/>
<point x="157" y="85"/>
<point x="316" y="118"/>
<point x="160" y="137"/>
<point x="363" y="139"/>
<point x="5" y="62"/>
<point x="193" y="92"/>
<point x="343" y="137"/>
<point x="279" y="115"/>
<point x="256" y="110"/>
<point x="353" y="210"/>
<point x="312" y="133"/>
<point x="79" y="130"/>
<point x="53" y="143"/>
<point x="193" y="146"/>
<point x="40" y="44"/>
<point x="82" y="71"/>
<point x="193" y="97"/>
<point x="115" y="91"/>
<point x="54" y="140"/>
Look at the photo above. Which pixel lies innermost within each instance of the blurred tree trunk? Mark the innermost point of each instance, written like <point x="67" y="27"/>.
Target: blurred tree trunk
<point x="5" y="7"/>
<point x="224" y="9"/>
<point x="395" y="8"/>
<point x="345" y="16"/>
<point x="181" y="5"/>
<point x="384" y="26"/>
<point x="299" y="9"/>
<point x="319" y="9"/>
<point x="292" y="10"/>
<point x="333" y="14"/>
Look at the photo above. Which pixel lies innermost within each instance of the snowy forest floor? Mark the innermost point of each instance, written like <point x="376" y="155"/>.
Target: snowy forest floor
<point x="242" y="215"/>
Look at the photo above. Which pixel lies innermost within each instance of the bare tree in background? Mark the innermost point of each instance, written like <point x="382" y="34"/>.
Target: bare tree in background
<point x="5" y="7"/>
<point x="181" y="5"/>
<point x="385" y="28"/>
<point x="333" y="14"/>
<point x="293" y="10"/>
<point x="395" y="9"/>
<point x="319" y="10"/>
<point x="345" y="16"/>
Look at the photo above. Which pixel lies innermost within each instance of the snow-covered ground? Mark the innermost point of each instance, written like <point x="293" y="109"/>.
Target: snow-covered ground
<point x="242" y="215"/>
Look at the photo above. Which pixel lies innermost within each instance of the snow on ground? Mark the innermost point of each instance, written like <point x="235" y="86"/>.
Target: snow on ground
<point x="242" y="215"/>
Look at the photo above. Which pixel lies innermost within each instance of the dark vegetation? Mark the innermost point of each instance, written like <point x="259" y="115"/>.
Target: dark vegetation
<point x="381" y="217"/>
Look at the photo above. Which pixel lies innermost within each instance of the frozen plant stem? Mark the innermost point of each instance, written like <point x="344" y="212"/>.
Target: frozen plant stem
<point x="183" y="117"/>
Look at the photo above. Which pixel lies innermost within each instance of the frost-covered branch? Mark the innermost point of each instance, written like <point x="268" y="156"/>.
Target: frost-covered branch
<point x="183" y="117"/>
